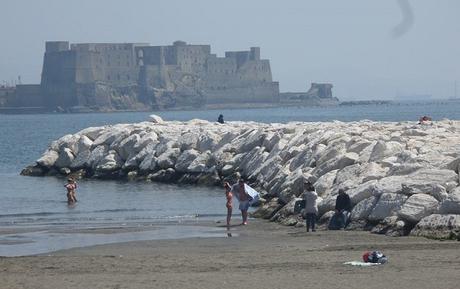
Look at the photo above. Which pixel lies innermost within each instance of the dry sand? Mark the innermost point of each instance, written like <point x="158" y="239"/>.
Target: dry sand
<point x="262" y="255"/>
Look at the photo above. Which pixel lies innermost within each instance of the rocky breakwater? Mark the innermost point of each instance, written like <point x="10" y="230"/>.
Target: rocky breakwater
<point x="402" y="178"/>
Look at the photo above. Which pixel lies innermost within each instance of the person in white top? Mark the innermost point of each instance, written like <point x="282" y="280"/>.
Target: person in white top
<point x="311" y="207"/>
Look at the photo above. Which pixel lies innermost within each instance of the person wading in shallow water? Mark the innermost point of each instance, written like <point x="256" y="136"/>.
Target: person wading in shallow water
<point x="244" y="198"/>
<point x="71" y="187"/>
<point x="229" y="205"/>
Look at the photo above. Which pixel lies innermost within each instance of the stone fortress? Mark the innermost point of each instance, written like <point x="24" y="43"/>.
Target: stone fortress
<point x="137" y="76"/>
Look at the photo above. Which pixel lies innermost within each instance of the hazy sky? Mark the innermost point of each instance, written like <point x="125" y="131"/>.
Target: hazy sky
<point x="361" y="46"/>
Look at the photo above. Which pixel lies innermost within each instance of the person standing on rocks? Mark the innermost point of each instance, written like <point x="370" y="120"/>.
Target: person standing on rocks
<point x="71" y="187"/>
<point x="243" y="197"/>
<point x="342" y="210"/>
<point x="311" y="207"/>
<point x="229" y="205"/>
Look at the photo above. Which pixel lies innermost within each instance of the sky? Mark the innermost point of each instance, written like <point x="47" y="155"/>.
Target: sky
<point x="368" y="49"/>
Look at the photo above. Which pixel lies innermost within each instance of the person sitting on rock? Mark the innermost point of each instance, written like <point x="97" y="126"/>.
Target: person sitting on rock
<point x="71" y="187"/>
<point x="424" y="120"/>
<point x="342" y="211"/>
<point x="220" y="119"/>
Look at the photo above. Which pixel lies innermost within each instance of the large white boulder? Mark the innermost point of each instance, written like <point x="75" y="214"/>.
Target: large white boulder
<point x="324" y="183"/>
<point x="185" y="159"/>
<point x="362" y="209"/>
<point x="384" y="149"/>
<point x="97" y="154"/>
<point x="362" y="191"/>
<point x="155" y="119"/>
<point x="201" y="163"/>
<point x="417" y="207"/>
<point x="438" y="226"/>
<point x="208" y="141"/>
<point x="336" y="163"/>
<point x="92" y="132"/>
<point x="168" y="159"/>
<point x="65" y="158"/>
<point x="150" y="138"/>
<point x="48" y="158"/>
<point x="126" y="146"/>
<point x="188" y="141"/>
<point x="387" y="205"/>
<point x="148" y="164"/>
<point x="451" y="205"/>
<point x="110" y="162"/>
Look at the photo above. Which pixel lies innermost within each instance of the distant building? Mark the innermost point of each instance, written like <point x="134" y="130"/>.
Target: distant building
<point x="134" y="76"/>
<point x="318" y="94"/>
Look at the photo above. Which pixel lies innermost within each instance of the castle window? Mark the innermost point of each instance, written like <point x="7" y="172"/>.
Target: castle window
<point x="108" y="77"/>
<point x="118" y="77"/>
<point x="127" y="77"/>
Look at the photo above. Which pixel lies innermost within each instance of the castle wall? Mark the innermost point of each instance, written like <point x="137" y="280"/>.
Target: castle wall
<point x="58" y="78"/>
<point x="92" y="74"/>
<point x="258" y="93"/>
<point x="27" y="95"/>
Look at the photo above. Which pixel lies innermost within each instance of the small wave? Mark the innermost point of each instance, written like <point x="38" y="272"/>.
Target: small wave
<point x="39" y="214"/>
<point x="119" y="210"/>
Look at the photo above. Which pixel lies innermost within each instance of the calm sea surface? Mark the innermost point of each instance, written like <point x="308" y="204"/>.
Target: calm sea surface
<point x="34" y="216"/>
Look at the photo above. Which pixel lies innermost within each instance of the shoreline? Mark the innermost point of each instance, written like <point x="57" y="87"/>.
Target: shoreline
<point x="264" y="255"/>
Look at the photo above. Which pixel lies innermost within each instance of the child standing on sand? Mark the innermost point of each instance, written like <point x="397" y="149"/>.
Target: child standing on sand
<point x="71" y="187"/>
<point x="229" y="205"/>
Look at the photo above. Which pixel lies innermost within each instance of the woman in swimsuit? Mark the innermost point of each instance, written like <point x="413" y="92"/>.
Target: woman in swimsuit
<point x="71" y="187"/>
<point x="229" y="196"/>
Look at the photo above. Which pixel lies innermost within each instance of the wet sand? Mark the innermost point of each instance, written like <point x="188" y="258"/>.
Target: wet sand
<point x="260" y="255"/>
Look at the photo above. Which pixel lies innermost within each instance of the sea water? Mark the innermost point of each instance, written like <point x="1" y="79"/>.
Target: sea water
<point x="34" y="215"/>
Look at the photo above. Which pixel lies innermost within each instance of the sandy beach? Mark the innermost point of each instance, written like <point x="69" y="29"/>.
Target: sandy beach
<point x="260" y="255"/>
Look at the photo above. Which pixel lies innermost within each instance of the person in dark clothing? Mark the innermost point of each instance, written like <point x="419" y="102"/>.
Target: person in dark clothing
<point x="342" y="203"/>
<point x="220" y="119"/>
<point x="342" y="211"/>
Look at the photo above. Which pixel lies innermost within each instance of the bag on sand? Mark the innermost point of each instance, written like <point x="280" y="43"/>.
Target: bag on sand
<point x="375" y="257"/>
<point x="299" y="206"/>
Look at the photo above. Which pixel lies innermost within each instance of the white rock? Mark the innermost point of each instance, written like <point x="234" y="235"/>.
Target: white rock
<point x="362" y="209"/>
<point x="155" y="118"/>
<point x="48" y="159"/>
<point x="451" y="205"/>
<point x="200" y="164"/>
<point x="150" y="138"/>
<point x="110" y="162"/>
<point x="438" y="226"/>
<point x="97" y="154"/>
<point x="324" y="184"/>
<point x="362" y="191"/>
<point x="185" y="159"/>
<point x="208" y="142"/>
<point x="126" y="147"/>
<point x="388" y="205"/>
<point x="417" y="207"/>
<point x="148" y="164"/>
<point x="92" y="132"/>
<point x="65" y="158"/>
<point x="168" y="159"/>
<point x="383" y="150"/>
<point x="188" y="141"/>
<point x="81" y="160"/>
